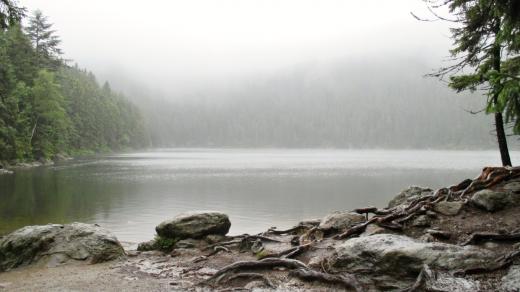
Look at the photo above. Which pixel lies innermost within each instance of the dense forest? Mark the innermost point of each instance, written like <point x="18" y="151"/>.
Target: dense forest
<point x="48" y="107"/>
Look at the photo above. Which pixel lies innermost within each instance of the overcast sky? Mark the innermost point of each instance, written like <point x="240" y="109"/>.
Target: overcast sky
<point x="174" y="43"/>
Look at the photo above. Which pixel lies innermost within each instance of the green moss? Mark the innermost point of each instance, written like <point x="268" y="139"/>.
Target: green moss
<point x="164" y="244"/>
<point x="262" y="254"/>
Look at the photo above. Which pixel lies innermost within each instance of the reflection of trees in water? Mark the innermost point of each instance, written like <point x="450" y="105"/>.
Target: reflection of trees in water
<point x="40" y="196"/>
<point x="114" y="193"/>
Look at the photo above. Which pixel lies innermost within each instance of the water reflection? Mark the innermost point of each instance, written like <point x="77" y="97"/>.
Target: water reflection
<point x="131" y="193"/>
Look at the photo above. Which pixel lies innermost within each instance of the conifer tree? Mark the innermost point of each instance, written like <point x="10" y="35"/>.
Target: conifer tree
<point x="10" y="13"/>
<point x="45" y="41"/>
<point x="486" y="53"/>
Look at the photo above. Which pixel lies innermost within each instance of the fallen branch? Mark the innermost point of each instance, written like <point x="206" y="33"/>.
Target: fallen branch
<point x="348" y="281"/>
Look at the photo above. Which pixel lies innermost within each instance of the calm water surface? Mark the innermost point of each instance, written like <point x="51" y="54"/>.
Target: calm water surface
<point x="131" y="193"/>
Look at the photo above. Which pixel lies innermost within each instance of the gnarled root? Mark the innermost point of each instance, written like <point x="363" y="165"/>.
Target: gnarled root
<point x="261" y="264"/>
<point x="348" y="281"/>
<point x="251" y="276"/>
<point x="488" y="236"/>
<point x="501" y="262"/>
<point x="291" y="252"/>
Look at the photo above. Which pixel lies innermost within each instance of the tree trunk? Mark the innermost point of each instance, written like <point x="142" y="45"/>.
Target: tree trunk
<point x="502" y="142"/>
<point x="499" y="121"/>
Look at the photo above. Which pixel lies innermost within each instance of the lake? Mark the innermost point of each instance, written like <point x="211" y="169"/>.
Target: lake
<point x="131" y="193"/>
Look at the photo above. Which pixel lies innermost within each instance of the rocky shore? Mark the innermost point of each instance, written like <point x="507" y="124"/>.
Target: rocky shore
<point x="460" y="238"/>
<point x="10" y="168"/>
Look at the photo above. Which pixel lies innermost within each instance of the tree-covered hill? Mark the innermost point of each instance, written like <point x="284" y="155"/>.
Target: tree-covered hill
<point x="48" y="107"/>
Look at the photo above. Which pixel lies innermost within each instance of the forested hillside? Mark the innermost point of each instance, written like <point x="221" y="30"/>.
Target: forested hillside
<point x="48" y="107"/>
<point x="345" y="104"/>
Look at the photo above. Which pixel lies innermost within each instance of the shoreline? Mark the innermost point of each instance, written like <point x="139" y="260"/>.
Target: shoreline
<point x="433" y="233"/>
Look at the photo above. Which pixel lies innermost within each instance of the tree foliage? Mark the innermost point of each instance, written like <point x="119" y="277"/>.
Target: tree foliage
<point x="486" y="53"/>
<point x="10" y="13"/>
<point x="45" y="41"/>
<point x="48" y="107"/>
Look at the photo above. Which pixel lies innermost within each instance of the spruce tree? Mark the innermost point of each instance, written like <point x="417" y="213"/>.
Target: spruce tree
<point x="10" y="13"/>
<point x="486" y="53"/>
<point x="45" y="41"/>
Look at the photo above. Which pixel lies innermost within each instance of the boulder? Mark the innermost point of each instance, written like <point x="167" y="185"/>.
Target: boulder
<point x="448" y="208"/>
<point x="442" y="281"/>
<point x="373" y="229"/>
<point x="511" y="281"/>
<point x="340" y="220"/>
<point x="492" y="201"/>
<point x="194" y="225"/>
<point x="408" y="195"/>
<point x="56" y="244"/>
<point x="403" y="256"/>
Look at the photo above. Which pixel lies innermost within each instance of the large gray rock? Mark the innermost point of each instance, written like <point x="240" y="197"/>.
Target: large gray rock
<point x="442" y="281"/>
<point x="448" y="208"/>
<point x="403" y="256"/>
<point x="340" y="220"/>
<point x="491" y="200"/>
<point x="56" y="244"/>
<point x="511" y="281"/>
<point x="194" y="225"/>
<point x="408" y="195"/>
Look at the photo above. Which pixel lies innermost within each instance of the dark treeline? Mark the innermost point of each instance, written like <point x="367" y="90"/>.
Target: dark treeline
<point x="49" y="108"/>
<point x="388" y="104"/>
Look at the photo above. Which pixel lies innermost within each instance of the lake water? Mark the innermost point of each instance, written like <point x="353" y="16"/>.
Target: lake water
<point x="131" y="193"/>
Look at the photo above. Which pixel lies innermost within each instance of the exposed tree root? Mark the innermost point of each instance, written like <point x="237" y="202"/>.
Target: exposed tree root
<point x="261" y="264"/>
<point x="218" y="249"/>
<point x="357" y="229"/>
<point x="312" y="235"/>
<point x="291" y="252"/>
<point x="225" y="243"/>
<point x="439" y="233"/>
<point x="418" y="284"/>
<point x="348" y="281"/>
<point x="292" y="230"/>
<point x="488" y="236"/>
<point x="396" y="218"/>
<point x="365" y="210"/>
<point x="393" y="218"/>
<point x="255" y="237"/>
<point x="502" y="262"/>
<point x="243" y="240"/>
<point x="250" y="276"/>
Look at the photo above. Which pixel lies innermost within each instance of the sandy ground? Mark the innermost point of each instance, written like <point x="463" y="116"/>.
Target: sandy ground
<point x="100" y="277"/>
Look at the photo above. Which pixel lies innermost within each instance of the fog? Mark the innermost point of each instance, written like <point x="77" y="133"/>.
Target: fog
<point x="291" y="73"/>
